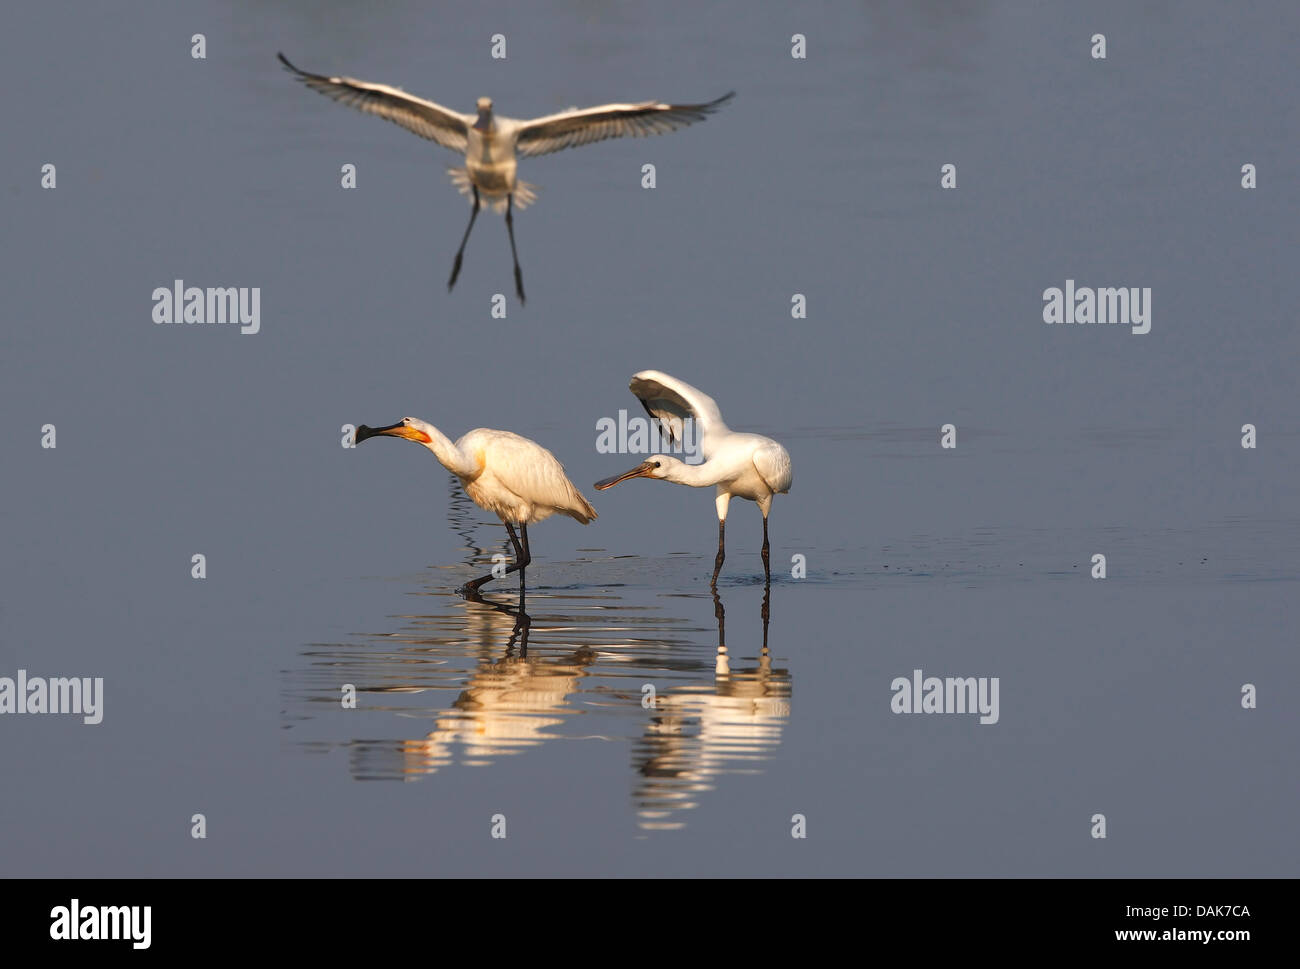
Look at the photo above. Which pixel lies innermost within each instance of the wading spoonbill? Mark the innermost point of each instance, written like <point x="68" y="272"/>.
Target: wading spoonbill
<point x="516" y="479"/>
<point x="738" y="465"/>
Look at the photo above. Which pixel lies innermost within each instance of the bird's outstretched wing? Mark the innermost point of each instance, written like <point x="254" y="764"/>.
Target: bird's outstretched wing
<point x="772" y="462"/>
<point x="569" y="129"/>
<point x="426" y="119"/>
<point x="673" y="401"/>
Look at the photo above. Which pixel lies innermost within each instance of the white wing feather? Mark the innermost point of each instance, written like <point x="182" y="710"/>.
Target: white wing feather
<point x="772" y="462"/>
<point x="530" y="472"/>
<point x="426" y="119"/>
<point x="673" y="401"/>
<point x="569" y="129"/>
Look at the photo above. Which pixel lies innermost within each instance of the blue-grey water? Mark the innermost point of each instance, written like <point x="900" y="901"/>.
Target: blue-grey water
<point x="328" y="566"/>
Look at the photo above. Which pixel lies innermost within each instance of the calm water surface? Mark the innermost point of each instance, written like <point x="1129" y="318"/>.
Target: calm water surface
<point x="329" y="566"/>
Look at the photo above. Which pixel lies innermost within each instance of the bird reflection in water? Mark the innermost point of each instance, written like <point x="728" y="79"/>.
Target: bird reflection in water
<point x="510" y="703"/>
<point x="699" y="733"/>
<point x="482" y="681"/>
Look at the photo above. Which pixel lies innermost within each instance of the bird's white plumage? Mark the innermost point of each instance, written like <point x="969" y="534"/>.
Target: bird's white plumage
<point x="516" y="479"/>
<point x="583" y="126"/>
<point x="511" y="476"/>
<point x="740" y="465"/>
<point x="525" y="193"/>
<point x="736" y="464"/>
<point x="519" y="480"/>
<point x="425" y="118"/>
<point x="773" y="465"/>
<point x="491" y="142"/>
<point x="674" y="401"/>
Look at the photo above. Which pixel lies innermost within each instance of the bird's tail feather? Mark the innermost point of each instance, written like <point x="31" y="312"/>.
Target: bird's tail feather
<point x="525" y="193"/>
<point x="585" y="513"/>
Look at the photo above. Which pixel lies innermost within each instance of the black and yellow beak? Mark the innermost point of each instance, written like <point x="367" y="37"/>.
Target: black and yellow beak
<point x="640" y="471"/>
<point x="392" y="430"/>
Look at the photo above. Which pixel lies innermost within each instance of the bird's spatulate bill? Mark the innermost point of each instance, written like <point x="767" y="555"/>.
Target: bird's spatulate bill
<point x="642" y="469"/>
<point x="364" y="432"/>
<point x="400" y="429"/>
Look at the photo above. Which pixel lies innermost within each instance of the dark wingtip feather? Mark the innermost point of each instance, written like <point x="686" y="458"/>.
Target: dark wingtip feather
<point x="288" y="66"/>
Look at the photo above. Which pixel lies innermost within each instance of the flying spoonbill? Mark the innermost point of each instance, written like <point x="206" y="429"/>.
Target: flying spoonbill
<point x="516" y="479"/>
<point x="739" y="465"/>
<point x="492" y="144"/>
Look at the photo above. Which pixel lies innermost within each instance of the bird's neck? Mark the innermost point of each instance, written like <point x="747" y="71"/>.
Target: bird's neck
<point x="449" y="455"/>
<point x="693" y="475"/>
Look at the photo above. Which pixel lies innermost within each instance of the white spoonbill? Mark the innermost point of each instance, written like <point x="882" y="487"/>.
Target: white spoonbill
<point x="516" y="479"/>
<point x="492" y="144"/>
<point x="739" y="465"/>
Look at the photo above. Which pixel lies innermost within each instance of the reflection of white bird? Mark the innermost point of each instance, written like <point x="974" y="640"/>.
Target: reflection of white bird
<point x="739" y="465"/>
<point x="696" y="736"/>
<point x="506" y="708"/>
<point x="515" y="478"/>
<point x="491" y="144"/>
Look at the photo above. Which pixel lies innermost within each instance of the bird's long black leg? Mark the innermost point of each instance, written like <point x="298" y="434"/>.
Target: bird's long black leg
<point x="455" y="266"/>
<point x="722" y="553"/>
<point x="471" y="588"/>
<point x="514" y="540"/>
<point x="524" y="561"/>
<point x="720" y="614"/>
<point x="523" y="622"/>
<point x="522" y="558"/>
<point x="767" y="568"/>
<point x="510" y="229"/>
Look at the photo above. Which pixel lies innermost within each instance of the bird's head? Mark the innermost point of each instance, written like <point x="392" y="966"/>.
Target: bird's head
<point x="484" y="121"/>
<point x="659" y="466"/>
<point x="410" y="428"/>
